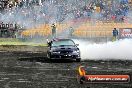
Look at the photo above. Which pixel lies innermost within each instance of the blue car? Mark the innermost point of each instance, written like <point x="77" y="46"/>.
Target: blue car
<point x="63" y="49"/>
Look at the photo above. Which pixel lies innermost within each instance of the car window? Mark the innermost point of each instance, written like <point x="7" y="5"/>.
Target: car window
<point x="63" y="42"/>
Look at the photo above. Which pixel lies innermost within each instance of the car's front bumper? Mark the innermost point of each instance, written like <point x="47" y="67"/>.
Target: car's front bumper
<point x="65" y="56"/>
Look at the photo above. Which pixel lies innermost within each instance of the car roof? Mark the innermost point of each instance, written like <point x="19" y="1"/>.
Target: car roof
<point x="61" y="39"/>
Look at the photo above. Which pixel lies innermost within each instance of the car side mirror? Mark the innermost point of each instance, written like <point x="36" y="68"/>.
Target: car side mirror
<point x="77" y="44"/>
<point x="49" y="43"/>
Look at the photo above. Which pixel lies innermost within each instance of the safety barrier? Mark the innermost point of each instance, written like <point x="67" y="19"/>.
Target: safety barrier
<point x="86" y="29"/>
<point x="44" y="30"/>
<point x="99" y="29"/>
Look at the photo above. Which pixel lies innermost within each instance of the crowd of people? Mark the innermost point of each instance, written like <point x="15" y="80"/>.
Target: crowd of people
<point x="113" y="10"/>
<point x="6" y="4"/>
<point x="8" y="30"/>
<point x="116" y="10"/>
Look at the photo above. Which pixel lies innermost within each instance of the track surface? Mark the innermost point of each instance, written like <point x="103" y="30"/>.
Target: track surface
<point x="32" y="70"/>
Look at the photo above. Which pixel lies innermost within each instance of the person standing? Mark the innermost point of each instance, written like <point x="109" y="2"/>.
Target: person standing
<point x="71" y="31"/>
<point x="115" y="34"/>
<point x="53" y="30"/>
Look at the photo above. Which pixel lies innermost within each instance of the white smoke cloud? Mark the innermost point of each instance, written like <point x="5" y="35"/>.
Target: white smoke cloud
<point x="119" y="50"/>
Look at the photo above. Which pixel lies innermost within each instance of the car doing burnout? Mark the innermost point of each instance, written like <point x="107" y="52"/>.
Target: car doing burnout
<point x="63" y="49"/>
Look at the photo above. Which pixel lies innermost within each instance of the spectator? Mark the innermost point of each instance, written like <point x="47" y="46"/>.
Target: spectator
<point x="53" y="30"/>
<point x="115" y="34"/>
<point x="71" y="31"/>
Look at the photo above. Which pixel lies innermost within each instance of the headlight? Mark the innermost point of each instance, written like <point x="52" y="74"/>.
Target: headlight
<point x="56" y="52"/>
<point x="53" y="49"/>
<point x="77" y="51"/>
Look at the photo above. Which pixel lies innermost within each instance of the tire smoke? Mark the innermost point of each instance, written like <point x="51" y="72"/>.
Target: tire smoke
<point x="118" y="50"/>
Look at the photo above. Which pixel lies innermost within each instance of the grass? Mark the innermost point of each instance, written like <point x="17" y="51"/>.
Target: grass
<point x="13" y="41"/>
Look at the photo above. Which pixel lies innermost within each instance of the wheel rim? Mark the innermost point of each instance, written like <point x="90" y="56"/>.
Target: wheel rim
<point x="48" y="55"/>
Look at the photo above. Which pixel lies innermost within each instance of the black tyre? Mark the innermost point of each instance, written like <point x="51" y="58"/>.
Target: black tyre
<point x="48" y="55"/>
<point x="78" y="60"/>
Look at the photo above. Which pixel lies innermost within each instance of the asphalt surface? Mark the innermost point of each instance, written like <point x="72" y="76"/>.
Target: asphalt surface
<point x="32" y="70"/>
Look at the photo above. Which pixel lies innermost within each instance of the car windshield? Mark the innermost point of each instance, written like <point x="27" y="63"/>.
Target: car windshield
<point x="63" y="43"/>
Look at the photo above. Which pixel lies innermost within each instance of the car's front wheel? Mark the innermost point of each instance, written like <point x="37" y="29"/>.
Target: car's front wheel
<point x="48" y="55"/>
